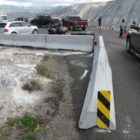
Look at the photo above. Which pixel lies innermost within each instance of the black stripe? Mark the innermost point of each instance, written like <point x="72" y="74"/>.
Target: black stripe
<point x="104" y="101"/>
<point x="102" y="117"/>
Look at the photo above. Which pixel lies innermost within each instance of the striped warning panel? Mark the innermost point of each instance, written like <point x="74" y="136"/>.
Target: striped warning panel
<point x="103" y="109"/>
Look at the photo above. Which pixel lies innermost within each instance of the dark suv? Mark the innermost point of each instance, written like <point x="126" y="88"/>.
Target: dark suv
<point x="133" y="41"/>
<point x="42" y="20"/>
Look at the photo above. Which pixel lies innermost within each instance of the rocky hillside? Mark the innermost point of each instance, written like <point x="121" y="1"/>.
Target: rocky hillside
<point x="111" y="12"/>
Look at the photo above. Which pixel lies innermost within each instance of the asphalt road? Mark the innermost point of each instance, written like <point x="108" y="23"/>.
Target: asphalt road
<point x="126" y="83"/>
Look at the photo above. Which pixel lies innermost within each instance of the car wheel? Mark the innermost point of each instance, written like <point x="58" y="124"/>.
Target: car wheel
<point x="14" y="33"/>
<point x="83" y="28"/>
<point x="35" y="32"/>
<point x="128" y="46"/>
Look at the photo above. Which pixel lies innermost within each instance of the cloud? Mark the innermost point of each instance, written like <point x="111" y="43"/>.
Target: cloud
<point x="26" y="3"/>
<point x="43" y="3"/>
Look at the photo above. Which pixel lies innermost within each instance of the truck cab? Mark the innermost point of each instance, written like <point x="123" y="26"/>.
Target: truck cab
<point x="3" y="18"/>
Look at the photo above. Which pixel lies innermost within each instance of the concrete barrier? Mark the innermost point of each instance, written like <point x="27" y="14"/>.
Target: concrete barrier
<point x="37" y="41"/>
<point x="64" y="42"/>
<point x="100" y="79"/>
<point x="6" y="39"/>
<point x="70" y="42"/>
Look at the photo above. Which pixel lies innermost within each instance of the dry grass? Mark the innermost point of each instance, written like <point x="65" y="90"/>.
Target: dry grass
<point x="41" y="68"/>
<point x="27" y="123"/>
<point x="33" y="85"/>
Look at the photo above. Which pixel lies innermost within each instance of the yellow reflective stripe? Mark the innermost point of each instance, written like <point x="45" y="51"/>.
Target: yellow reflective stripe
<point x="100" y="123"/>
<point x="104" y="110"/>
<point x="106" y="94"/>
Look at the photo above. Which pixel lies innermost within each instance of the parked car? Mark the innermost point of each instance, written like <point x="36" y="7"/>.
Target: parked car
<point x="21" y="19"/>
<point x="42" y="20"/>
<point x="133" y="41"/>
<point x="3" y="18"/>
<point x="73" y="22"/>
<point x="57" y="30"/>
<point x="17" y="27"/>
<point x="56" y="22"/>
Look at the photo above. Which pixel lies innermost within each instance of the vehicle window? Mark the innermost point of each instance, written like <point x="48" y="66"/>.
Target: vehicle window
<point x="15" y="25"/>
<point x="18" y="24"/>
<point x="2" y="25"/>
<point x="37" y="18"/>
<point x="65" y="18"/>
<point x="24" y="24"/>
<point x="139" y="28"/>
<point x="18" y="19"/>
<point x="4" y="17"/>
<point x="75" y="18"/>
<point x="68" y="18"/>
<point x="40" y="17"/>
<point x="12" y="25"/>
<point x="47" y="17"/>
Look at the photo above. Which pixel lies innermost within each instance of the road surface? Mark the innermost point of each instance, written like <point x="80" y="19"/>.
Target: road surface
<point x="126" y="82"/>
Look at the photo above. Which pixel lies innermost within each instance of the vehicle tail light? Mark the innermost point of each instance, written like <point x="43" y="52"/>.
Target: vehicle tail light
<point x="5" y="30"/>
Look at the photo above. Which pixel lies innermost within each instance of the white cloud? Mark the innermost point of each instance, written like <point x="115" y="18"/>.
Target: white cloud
<point x="28" y="3"/>
<point x="15" y="3"/>
<point x="67" y="2"/>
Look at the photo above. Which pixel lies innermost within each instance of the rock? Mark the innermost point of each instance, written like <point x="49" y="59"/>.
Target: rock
<point x="111" y="12"/>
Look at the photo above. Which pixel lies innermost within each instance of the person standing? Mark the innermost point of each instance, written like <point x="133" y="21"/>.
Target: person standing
<point x="122" y="27"/>
<point x="100" y="24"/>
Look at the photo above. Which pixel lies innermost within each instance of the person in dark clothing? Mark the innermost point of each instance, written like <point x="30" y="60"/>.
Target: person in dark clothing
<point x="99" y="23"/>
<point x="122" y="27"/>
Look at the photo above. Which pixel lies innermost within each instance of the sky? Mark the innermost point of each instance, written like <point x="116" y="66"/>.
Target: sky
<point x="42" y="3"/>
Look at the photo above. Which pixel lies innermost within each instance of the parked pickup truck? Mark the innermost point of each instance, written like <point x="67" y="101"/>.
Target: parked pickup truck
<point x="73" y="22"/>
<point x="133" y="41"/>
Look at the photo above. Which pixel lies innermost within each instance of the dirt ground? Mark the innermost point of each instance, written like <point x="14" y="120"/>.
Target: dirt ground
<point x="52" y="103"/>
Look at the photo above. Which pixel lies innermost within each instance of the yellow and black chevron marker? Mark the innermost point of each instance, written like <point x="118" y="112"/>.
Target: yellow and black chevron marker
<point x="103" y="109"/>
